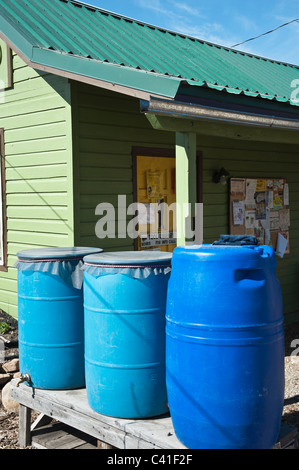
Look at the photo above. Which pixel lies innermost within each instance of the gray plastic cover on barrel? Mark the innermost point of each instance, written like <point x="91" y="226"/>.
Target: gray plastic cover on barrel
<point x="56" y="253"/>
<point x="137" y="264"/>
<point x="60" y="261"/>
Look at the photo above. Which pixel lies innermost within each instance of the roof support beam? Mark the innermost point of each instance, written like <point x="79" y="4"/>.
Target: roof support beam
<point x="182" y="153"/>
<point x="186" y="190"/>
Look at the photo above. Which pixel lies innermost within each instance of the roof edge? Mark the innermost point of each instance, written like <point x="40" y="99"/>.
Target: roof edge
<point x="142" y="80"/>
<point x="125" y="80"/>
<point x="9" y="31"/>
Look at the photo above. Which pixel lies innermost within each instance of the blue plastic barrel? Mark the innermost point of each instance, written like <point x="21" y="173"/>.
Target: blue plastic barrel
<point x="124" y="313"/>
<point x="225" y="347"/>
<point x="51" y="316"/>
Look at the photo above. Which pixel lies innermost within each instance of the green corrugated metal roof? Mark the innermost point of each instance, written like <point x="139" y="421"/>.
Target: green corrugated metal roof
<point x="78" y="38"/>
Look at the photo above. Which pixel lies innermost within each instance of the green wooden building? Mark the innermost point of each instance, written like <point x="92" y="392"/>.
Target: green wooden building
<point x="86" y="94"/>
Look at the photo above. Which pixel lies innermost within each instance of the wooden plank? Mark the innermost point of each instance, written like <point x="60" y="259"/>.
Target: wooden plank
<point x="36" y="119"/>
<point x="99" y="160"/>
<point x="61" y="436"/>
<point x="38" y="199"/>
<point x="38" y="238"/>
<point x="44" y="131"/>
<point x="8" y="284"/>
<point x="52" y="157"/>
<point x="105" y="174"/>
<point x="10" y="297"/>
<point x="105" y="187"/>
<point x="37" y="186"/>
<point x="158" y="433"/>
<point x="40" y="212"/>
<point x="36" y="172"/>
<point x="47" y="226"/>
<point x="41" y="420"/>
<point x="24" y="426"/>
<point x="71" y="407"/>
<point x="34" y="105"/>
<point x="37" y="145"/>
<point x="72" y="410"/>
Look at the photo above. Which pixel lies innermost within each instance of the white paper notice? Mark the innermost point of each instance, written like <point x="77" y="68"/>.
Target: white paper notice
<point x="281" y="246"/>
<point x="284" y="219"/>
<point x="267" y="237"/>
<point x="238" y="212"/>
<point x="265" y="223"/>
<point x="250" y="220"/>
<point x="270" y="199"/>
<point x="250" y="192"/>
<point x="274" y="220"/>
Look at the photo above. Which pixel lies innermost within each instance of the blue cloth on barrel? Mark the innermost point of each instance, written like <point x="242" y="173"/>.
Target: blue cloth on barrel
<point x="239" y="240"/>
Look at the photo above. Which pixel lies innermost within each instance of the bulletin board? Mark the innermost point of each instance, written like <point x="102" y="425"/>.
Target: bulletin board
<point x="260" y="207"/>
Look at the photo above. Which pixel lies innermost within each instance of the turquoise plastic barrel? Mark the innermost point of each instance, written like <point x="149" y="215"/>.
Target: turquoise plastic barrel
<point x="225" y="347"/>
<point x="124" y="314"/>
<point x="51" y="317"/>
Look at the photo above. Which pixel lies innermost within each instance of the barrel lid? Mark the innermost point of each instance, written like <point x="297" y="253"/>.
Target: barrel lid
<point x="225" y="251"/>
<point x="131" y="258"/>
<point x="57" y="253"/>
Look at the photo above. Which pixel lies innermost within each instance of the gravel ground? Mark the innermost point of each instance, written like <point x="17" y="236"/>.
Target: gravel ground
<point x="291" y="405"/>
<point x="9" y="421"/>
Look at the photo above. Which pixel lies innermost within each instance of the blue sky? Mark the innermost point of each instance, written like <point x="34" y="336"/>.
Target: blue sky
<point x="222" y="22"/>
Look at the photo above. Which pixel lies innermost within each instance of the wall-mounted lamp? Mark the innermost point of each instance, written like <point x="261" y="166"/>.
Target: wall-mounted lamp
<point x="221" y="176"/>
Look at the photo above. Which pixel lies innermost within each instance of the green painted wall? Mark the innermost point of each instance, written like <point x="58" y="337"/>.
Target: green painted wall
<point x="36" y="118"/>
<point x="107" y="125"/>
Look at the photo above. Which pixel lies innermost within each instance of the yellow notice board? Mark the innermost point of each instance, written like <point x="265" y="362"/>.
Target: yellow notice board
<point x="260" y="207"/>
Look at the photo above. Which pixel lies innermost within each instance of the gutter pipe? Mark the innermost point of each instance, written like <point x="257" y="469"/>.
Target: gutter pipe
<point x="199" y="112"/>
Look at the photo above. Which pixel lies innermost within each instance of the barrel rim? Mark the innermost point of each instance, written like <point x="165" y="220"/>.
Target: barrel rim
<point x="56" y="253"/>
<point x="134" y="259"/>
<point x="209" y="251"/>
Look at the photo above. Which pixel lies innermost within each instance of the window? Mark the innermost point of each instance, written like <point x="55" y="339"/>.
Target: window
<point x="3" y="235"/>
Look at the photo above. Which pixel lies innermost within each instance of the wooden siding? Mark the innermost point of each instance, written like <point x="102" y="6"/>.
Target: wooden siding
<point x="106" y="127"/>
<point x="36" y="119"/>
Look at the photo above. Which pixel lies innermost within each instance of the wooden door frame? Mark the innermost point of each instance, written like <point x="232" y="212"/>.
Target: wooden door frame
<point x="166" y="153"/>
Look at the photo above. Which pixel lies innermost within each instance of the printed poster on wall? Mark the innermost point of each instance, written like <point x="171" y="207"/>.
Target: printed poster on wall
<point x="260" y="207"/>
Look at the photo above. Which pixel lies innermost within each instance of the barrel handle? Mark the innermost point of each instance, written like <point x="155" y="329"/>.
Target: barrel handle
<point x="249" y="274"/>
<point x="265" y="251"/>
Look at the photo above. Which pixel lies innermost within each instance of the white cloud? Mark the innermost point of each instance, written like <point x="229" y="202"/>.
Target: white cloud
<point x="184" y="19"/>
<point x="154" y="5"/>
<point x="187" y="9"/>
<point x="246" y="24"/>
<point x="176" y="12"/>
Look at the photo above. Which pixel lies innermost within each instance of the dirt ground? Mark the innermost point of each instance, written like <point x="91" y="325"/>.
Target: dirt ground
<point x="9" y="421"/>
